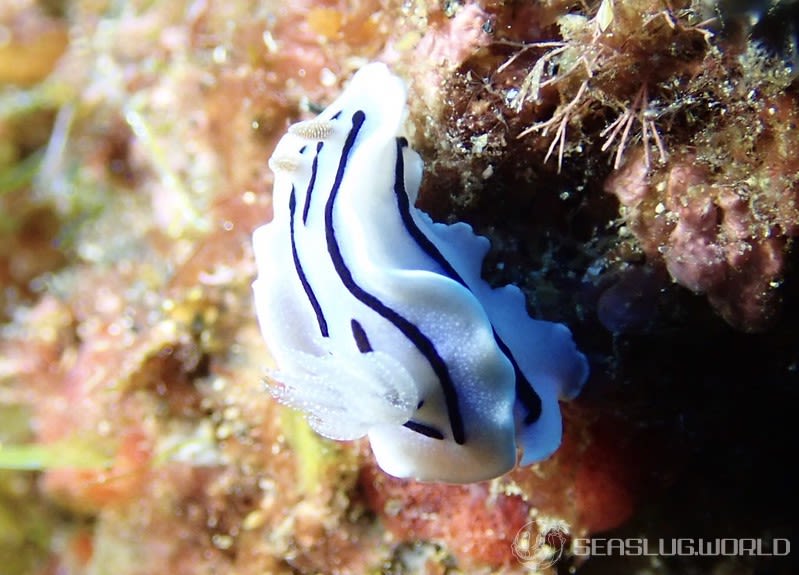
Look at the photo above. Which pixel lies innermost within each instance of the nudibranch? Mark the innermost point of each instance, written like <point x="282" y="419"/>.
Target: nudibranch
<point x="377" y="317"/>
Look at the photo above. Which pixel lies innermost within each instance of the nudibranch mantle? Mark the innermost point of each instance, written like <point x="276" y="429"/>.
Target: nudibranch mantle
<point x="377" y="317"/>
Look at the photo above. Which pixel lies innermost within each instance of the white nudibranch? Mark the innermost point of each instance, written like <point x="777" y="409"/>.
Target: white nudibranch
<point x="377" y="317"/>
